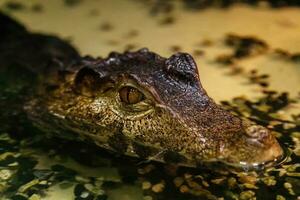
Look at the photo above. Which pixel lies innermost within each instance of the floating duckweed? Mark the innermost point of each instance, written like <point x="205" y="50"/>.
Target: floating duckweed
<point x="289" y="188"/>
<point x="232" y="195"/>
<point x="18" y="174"/>
<point x="264" y="108"/>
<point x="193" y="184"/>
<point x="279" y="197"/>
<point x="3" y="187"/>
<point x="99" y="183"/>
<point x="287" y="185"/>
<point x="175" y="48"/>
<point x="205" y="184"/>
<point x="184" y="189"/>
<point x="159" y="187"/>
<point x="28" y="185"/>
<point x="44" y="182"/>
<point x="289" y="125"/>
<point x="81" y="179"/>
<point x="178" y="181"/>
<point x="297" y="148"/>
<point x="34" y="197"/>
<point x="80" y="190"/>
<point x="5" y="174"/>
<point x="198" y="52"/>
<point x="247" y="195"/>
<point x="269" y="181"/>
<point x="146" y="185"/>
<point x="14" y="6"/>
<point x="147" y="169"/>
<point x="295" y="174"/>
<point x="247" y="179"/>
<point x="90" y="187"/>
<point x="167" y="20"/>
<point x="5" y="155"/>
<point x="14" y="164"/>
<point x="38" y="8"/>
<point x="84" y="194"/>
<point x="96" y="189"/>
<point x="282" y="172"/>
<point x="188" y="176"/>
<point x="232" y="182"/>
<point x="292" y="168"/>
<point x="218" y="181"/>
<point x="250" y="186"/>
<point x="71" y="3"/>
<point x="296" y="134"/>
<point x="106" y="26"/>
<point x="147" y="198"/>
<point x="206" y="42"/>
<point x="203" y="192"/>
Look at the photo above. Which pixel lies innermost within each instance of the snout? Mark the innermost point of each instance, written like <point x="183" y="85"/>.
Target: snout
<point x="266" y="145"/>
<point x="254" y="145"/>
<point x="273" y="153"/>
<point x="271" y="149"/>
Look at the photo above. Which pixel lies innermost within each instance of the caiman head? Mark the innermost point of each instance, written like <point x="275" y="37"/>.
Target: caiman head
<point x="144" y="105"/>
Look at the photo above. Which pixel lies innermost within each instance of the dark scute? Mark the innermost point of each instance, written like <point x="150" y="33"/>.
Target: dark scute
<point x="183" y="67"/>
<point x="143" y="151"/>
<point x="173" y="157"/>
<point x="118" y="142"/>
<point x="144" y="50"/>
<point x="87" y="79"/>
<point x="86" y="71"/>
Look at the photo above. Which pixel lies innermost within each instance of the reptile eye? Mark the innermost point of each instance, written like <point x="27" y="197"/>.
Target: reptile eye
<point x="130" y="95"/>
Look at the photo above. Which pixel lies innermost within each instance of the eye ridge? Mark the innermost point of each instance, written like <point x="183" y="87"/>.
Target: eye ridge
<point x="130" y="95"/>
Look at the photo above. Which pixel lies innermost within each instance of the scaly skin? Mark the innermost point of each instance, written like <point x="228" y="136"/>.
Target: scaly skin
<point x="176" y="121"/>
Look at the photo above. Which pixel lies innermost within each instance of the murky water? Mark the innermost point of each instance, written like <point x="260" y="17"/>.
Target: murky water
<point x="253" y="87"/>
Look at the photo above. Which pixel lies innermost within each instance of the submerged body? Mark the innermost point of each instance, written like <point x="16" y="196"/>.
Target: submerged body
<point x="136" y="103"/>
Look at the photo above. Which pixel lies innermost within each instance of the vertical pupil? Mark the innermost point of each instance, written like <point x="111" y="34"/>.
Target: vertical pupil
<point x="130" y="95"/>
<point x="133" y="95"/>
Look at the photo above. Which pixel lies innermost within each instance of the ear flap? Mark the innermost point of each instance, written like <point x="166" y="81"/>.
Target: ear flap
<point x="182" y="66"/>
<point x="87" y="81"/>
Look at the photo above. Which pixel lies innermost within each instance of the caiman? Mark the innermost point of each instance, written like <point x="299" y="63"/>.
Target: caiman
<point x="135" y="103"/>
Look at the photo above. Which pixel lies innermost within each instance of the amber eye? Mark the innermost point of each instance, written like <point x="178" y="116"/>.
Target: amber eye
<point x="130" y="95"/>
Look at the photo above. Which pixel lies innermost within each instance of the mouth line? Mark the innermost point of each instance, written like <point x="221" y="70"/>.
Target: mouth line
<point x="245" y="166"/>
<point x="259" y="166"/>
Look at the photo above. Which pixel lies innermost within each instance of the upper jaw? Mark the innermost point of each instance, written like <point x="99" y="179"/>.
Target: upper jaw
<point x="271" y="149"/>
<point x="262" y="151"/>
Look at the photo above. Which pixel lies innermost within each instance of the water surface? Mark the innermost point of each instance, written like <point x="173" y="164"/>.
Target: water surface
<point x="39" y="168"/>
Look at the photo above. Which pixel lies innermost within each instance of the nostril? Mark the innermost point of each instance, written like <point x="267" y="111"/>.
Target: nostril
<point x="256" y="131"/>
